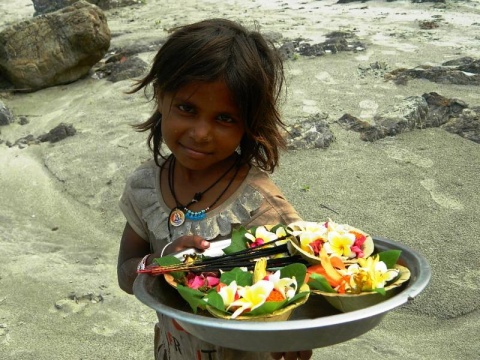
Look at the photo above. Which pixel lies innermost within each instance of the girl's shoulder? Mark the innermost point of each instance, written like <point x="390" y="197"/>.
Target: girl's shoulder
<point x="144" y="175"/>
<point x="262" y="182"/>
<point x="275" y="208"/>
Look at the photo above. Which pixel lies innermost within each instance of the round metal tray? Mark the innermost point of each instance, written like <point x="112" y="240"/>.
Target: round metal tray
<point x="312" y="325"/>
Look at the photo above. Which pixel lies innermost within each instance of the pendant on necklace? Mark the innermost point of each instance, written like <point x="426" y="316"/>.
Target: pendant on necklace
<point x="177" y="217"/>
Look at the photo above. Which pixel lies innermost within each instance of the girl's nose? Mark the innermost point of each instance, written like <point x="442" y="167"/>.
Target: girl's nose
<point x="201" y="130"/>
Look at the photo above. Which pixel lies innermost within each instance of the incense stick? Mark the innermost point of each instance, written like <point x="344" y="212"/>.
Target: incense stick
<point x="240" y="258"/>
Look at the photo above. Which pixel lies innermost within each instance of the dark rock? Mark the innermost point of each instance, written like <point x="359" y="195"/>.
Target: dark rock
<point x="5" y="84"/>
<point x="337" y="41"/>
<point x="472" y="67"/>
<point x="465" y="73"/>
<point x="54" y="49"/>
<point x="312" y="133"/>
<point x="58" y="133"/>
<point x="350" y="122"/>
<point x="6" y="116"/>
<point x="440" y="109"/>
<point x="376" y="69"/>
<point x="287" y="50"/>
<point x="459" y="62"/>
<point x="47" y="6"/>
<point x="23" y="120"/>
<point x="123" y="69"/>
<point x="418" y="112"/>
<point x="467" y="124"/>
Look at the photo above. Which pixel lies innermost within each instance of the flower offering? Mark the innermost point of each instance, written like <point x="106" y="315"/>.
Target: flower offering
<point x="340" y="240"/>
<point x="367" y="282"/>
<point x="242" y="294"/>
<point x="267" y="271"/>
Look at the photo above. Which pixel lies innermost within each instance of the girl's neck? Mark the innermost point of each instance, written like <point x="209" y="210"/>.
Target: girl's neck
<point x="204" y="176"/>
<point x="220" y="182"/>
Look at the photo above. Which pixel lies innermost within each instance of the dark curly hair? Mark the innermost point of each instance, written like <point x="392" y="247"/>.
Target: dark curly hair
<point x="219" y="49"/>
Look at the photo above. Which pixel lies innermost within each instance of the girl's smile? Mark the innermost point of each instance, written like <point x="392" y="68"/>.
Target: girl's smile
<point x="201" y="125"/>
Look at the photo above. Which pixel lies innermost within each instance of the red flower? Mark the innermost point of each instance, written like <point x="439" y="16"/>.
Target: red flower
<point x="357" y="245"/>
<point x="316" y="246"/>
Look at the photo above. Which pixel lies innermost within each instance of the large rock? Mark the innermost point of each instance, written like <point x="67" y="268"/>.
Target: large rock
<point x="47" y="6"/>
<point x="54" y="49"/>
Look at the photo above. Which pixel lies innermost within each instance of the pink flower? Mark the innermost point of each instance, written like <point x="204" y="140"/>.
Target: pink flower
<point x="257" y="242"/>
<point x="357" y="245"/>
<point x="199" y="281"/>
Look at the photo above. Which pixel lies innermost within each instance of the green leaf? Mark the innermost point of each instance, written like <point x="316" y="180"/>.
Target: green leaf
<point x="243" y="278"/>
<point x="167" y="260"/>
<point x="239" y="241"/>
<point x="380" y="291"/>
<point x="193" y="297"/>
<point x="171" y="260"/>
<point x="390" y="257"/>
<point x="215" y="300"/>
<point x="267" y="308"/>
<point x="297" y="270"/>
<point x="298" y="296"/>
<point x="318" y="282"/>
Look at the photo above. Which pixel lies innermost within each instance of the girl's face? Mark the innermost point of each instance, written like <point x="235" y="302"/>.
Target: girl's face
<point x="201" y="124"/>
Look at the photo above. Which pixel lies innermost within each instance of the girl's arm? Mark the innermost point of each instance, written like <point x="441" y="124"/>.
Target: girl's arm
<point x="132" y="249"/>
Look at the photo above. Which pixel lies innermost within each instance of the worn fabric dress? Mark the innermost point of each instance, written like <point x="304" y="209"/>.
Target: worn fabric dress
<point x="257" y="201"/>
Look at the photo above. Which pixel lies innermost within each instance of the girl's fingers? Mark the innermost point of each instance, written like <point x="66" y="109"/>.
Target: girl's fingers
<point x="191" y="241"/>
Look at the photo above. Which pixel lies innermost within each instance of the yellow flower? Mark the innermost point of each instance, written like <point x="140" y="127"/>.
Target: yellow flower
<point x="339" y="243"/>
<point x="251" y="297"/>
<point x="370" y="274"/>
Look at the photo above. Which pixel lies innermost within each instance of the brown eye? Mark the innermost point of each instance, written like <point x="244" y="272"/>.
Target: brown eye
<point x="186" y="108"/>
<point x="226" y="118"/>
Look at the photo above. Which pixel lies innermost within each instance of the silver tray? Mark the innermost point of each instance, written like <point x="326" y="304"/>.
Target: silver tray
<point x="313" y="325"/>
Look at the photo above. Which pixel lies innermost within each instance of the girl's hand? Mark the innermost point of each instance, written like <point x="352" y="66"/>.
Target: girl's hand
<point x="186" y="242"/>
<point x="294" y="355"/>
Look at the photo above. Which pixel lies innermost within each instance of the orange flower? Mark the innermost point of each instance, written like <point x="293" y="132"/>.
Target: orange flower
<point x="275" y="295"/>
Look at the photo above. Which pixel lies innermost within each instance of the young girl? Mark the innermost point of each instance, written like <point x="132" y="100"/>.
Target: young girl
<point x="214" y="136"/>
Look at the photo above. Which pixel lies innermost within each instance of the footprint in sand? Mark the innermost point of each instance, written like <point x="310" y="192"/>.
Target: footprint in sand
<point x="407" y="156"/>
<point x="466" y="279"/>
<point x="369" y="108"/>
<point x="74" y="304"/>
<point x="325" y="78"/>
<point x="310" y="106"/>
<point x="439" y="197"/>
<point x="4" y="335"/>
<point x="103" y="330"/>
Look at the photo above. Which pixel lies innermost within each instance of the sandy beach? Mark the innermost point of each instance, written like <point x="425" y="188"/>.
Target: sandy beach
<point x="60" y="225"/>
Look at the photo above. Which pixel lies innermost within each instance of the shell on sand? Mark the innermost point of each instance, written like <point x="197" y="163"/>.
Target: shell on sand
<point x="352" y="302"/>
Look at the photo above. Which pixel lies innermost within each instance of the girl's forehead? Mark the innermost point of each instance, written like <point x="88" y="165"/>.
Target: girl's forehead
<point x="196" y="87"/>
<point x="213" y="91"/>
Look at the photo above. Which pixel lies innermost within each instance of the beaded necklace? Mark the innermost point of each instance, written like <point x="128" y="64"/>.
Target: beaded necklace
<point x="181" y="212"/>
